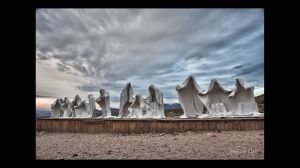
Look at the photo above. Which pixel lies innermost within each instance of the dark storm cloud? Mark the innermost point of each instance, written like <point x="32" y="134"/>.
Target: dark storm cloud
<point x="42" y="56"/>
<point x="88" y="87"/>
<point x="251" y="69"/>
<point x="44" y="96"/>
<point x="62" y="67"/>
<point x="110" y="47"/>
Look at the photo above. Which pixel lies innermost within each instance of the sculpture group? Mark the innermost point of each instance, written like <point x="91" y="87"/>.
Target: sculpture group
<point x="195" y="102"/>
<point x="135" y="106"/>
<point x="81" y="109"/>
<point x="216" y="101"/>
<point x="131" y="106"/>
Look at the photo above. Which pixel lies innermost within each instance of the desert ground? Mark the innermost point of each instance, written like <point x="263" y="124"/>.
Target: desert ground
<point x="190" y="145"/>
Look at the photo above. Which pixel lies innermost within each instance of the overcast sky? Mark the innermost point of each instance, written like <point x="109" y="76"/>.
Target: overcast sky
<point x="79" y="51"/>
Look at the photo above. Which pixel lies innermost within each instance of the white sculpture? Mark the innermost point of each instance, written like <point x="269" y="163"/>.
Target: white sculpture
<point x="81" y="110"/>
<point x="104" y="102"/>
<point x="154" y="103"/>
<point x="76" y="101"/>
<point x="86" y="109"/>
<point x="137" y="107"/>
<point x="125" y="100"/>
<point x="92" y="106"/>
<point x="189" y="99"/>
<point x="56" y="108"/>
<point x="216" y="100"/>
<point x="67" y="108"/>
<point x="195" y="102"/>
<point x="77" y="108"/>
<point x="241" y="100"/>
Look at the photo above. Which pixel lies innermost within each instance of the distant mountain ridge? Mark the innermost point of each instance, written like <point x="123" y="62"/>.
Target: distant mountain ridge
<point x="172" y="106"/>
<point x="39" y="113"/>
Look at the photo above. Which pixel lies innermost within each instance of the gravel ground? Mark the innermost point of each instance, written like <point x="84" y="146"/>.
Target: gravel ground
<point x="190" y="145"/>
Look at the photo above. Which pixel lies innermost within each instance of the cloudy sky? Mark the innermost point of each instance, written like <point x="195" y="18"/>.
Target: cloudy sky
<point x="79" y="51"/>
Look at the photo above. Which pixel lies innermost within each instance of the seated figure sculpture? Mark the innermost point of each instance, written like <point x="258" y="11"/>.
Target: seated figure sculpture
<point x="137" y="106"/>
<point x="154" y="103"/>
<point x="86" y="109"/>
<point x="81" y="110"/>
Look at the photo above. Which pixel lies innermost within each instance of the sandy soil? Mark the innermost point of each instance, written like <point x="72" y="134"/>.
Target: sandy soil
<point x="190" y="145"/>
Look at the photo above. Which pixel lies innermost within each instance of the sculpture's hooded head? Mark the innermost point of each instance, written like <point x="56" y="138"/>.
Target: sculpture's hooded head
<point x="91" y="97"/>
<point x="127" y="92"/>
<point x="77" y="100"/>
<point x="155" y="94"/>
<point x="128" y="85"/>
<point x="66" y="100"/>
<point x="189" y="81"/>
<point x="191" y="78"/>
<point x="102" y="92"/>
<point x="137" y="100"/>
<point x="152" y="90"/>
<point x="240" y="82"/>
<point x="77" y="97"/>
<point x="57" y="102"/>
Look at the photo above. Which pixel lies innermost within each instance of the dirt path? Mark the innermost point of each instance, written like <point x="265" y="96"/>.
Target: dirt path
<point x="190" y="145"/>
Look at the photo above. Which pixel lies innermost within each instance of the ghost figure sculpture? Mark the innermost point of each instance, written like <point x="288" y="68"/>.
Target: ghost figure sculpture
<point x="215" y="99"/>
<point x="137" y="107"/>
<point x="92" y="106"/>
<point x="242" y="101"/>
<point x="86" y="110"/>
<point x="104" y="102"/>
<point x="56" y="108"/>
<point x="189" y="99"/>
<point x="125" y="100"/>
<point x="81" y="110"/>
<point x="67" y="108"/>
<point x="154" y="103"/>
<point x="76" y="101"/>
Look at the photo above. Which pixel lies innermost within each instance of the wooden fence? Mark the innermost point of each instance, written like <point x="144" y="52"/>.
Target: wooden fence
<point x="128" y="126"/>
